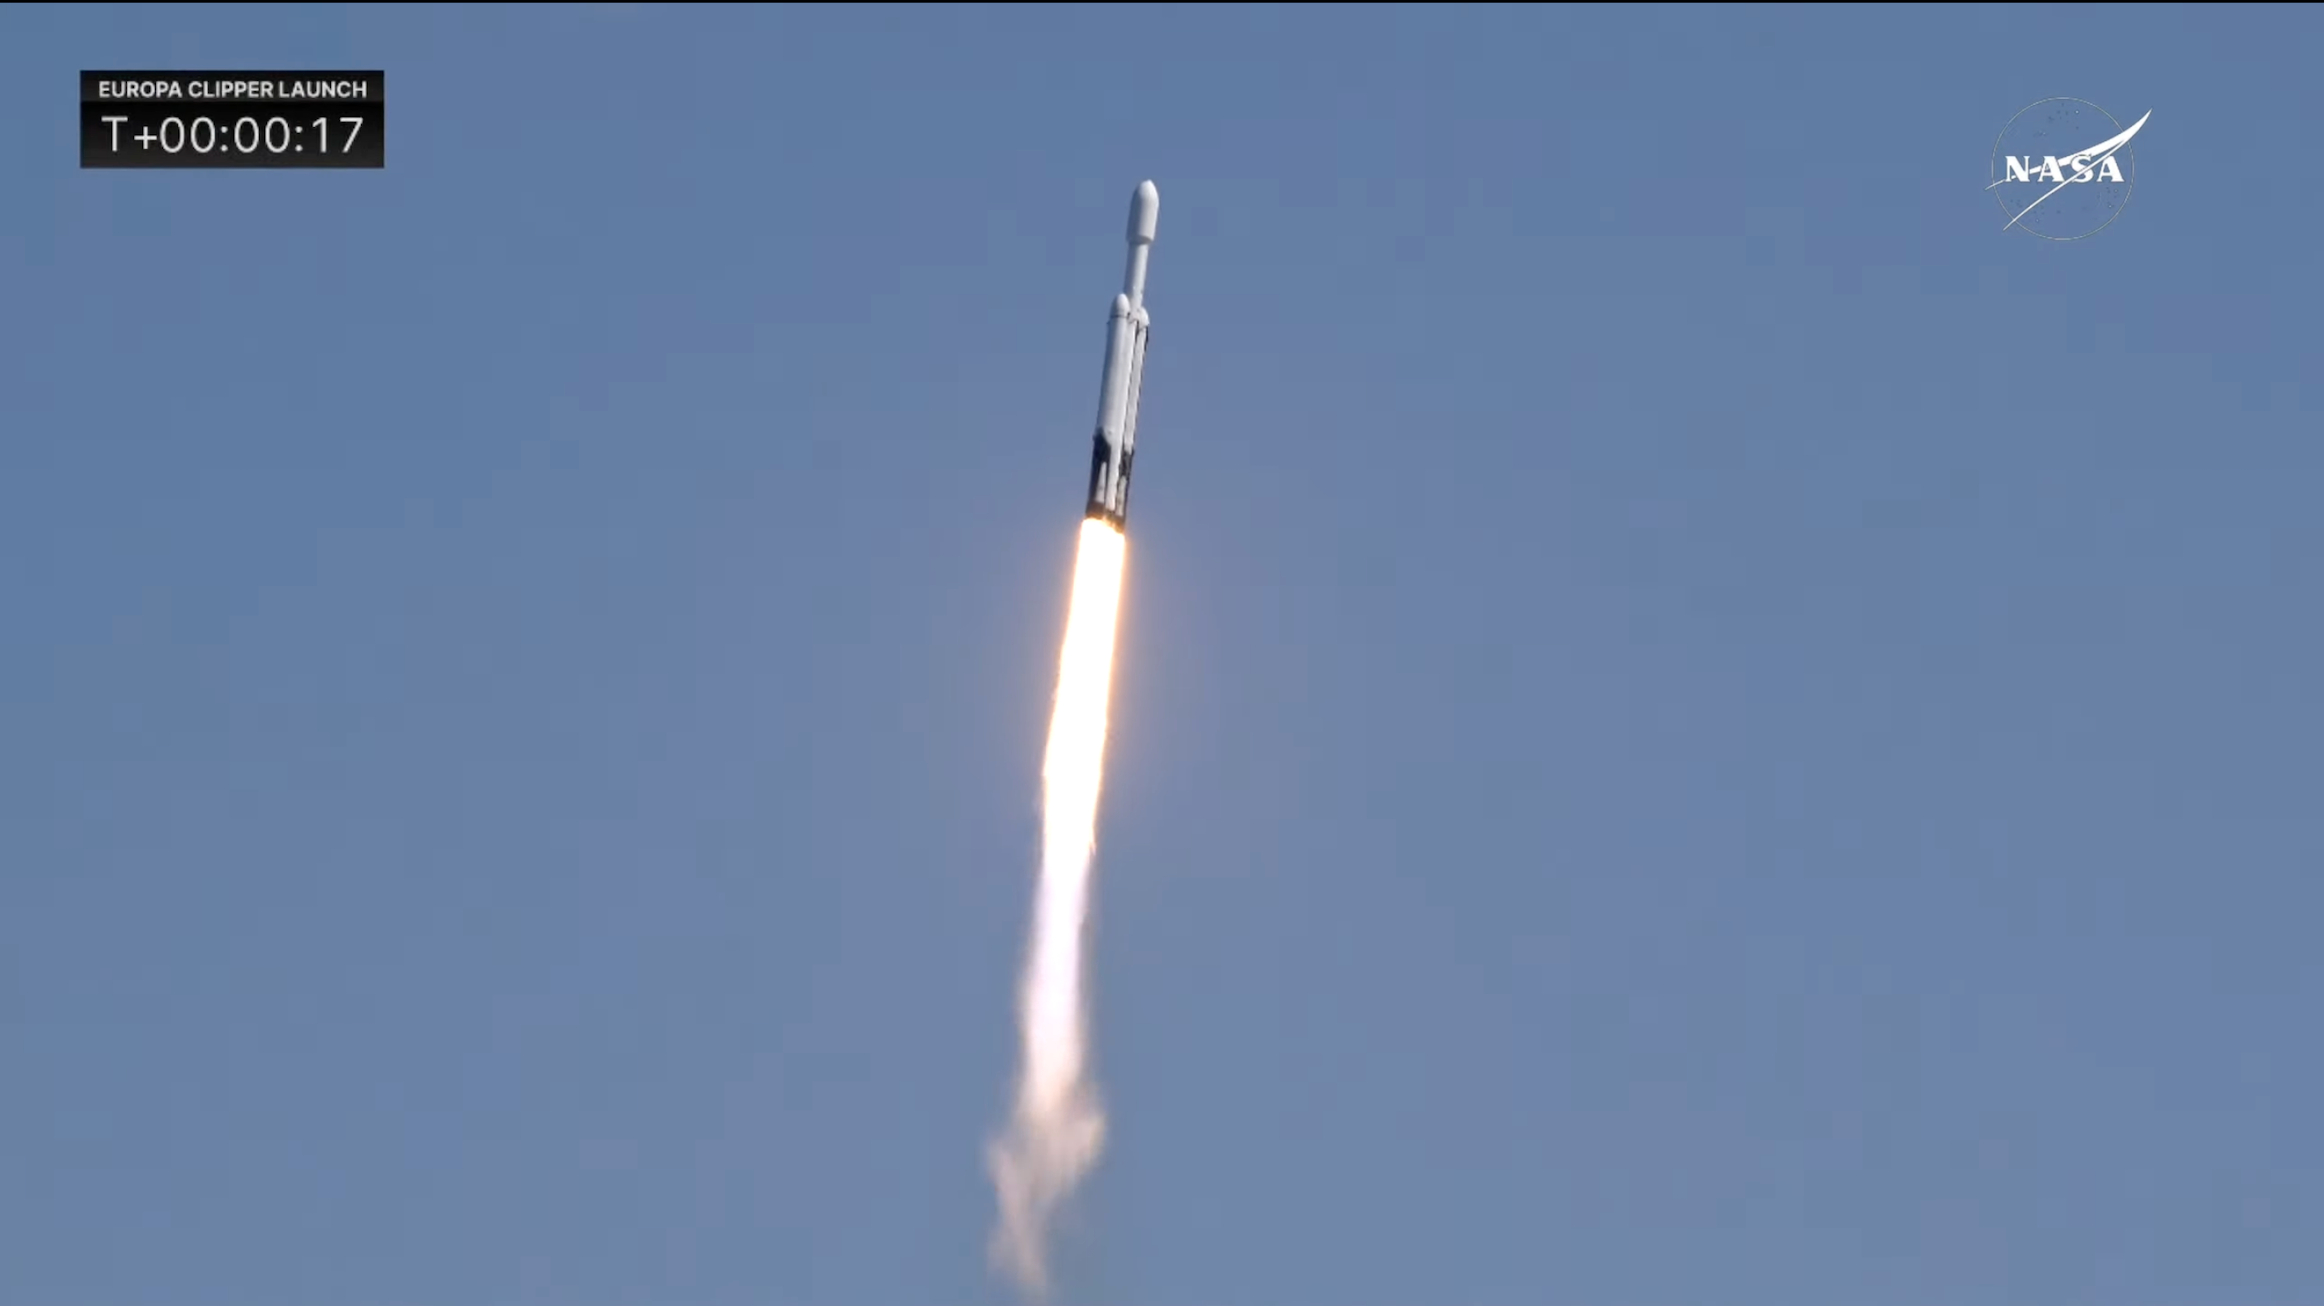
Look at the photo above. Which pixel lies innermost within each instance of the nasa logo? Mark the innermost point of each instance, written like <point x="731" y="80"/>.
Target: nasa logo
<point x="2063" y="169"/>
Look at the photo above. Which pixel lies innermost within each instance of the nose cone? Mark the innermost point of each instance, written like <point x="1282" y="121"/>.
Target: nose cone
<point x="1145" y="210"/>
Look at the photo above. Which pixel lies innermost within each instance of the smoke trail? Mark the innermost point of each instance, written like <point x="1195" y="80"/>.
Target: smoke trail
<point x="1058" y="1126"/>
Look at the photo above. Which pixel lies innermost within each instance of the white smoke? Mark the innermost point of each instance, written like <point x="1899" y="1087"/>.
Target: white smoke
<point x="1058" y="1126"/>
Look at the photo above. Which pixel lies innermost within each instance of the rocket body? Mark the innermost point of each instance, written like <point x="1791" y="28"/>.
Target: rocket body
<point x="1125" y="366"/>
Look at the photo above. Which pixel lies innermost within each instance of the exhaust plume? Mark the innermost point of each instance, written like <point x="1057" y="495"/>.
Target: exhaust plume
<point x="1058" y="1125"/>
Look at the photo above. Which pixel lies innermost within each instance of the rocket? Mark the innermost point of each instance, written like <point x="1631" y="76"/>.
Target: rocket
<point x="1125" y="367"/>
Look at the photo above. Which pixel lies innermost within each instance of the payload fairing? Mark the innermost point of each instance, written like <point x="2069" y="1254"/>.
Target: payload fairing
<point x="1125" y="367"/>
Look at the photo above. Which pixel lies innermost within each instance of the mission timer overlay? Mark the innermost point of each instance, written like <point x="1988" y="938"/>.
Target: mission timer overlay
<point x="329" y="119"/>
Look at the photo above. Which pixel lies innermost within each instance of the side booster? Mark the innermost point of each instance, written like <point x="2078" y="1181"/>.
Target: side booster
<point x="1125" y="368"/>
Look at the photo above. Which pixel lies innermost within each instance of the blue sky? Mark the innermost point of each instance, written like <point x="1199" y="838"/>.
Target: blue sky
<point x="1696" y="723"/>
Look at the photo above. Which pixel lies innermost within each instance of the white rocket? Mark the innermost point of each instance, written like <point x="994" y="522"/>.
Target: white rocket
<point x="1117" y="398"/>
